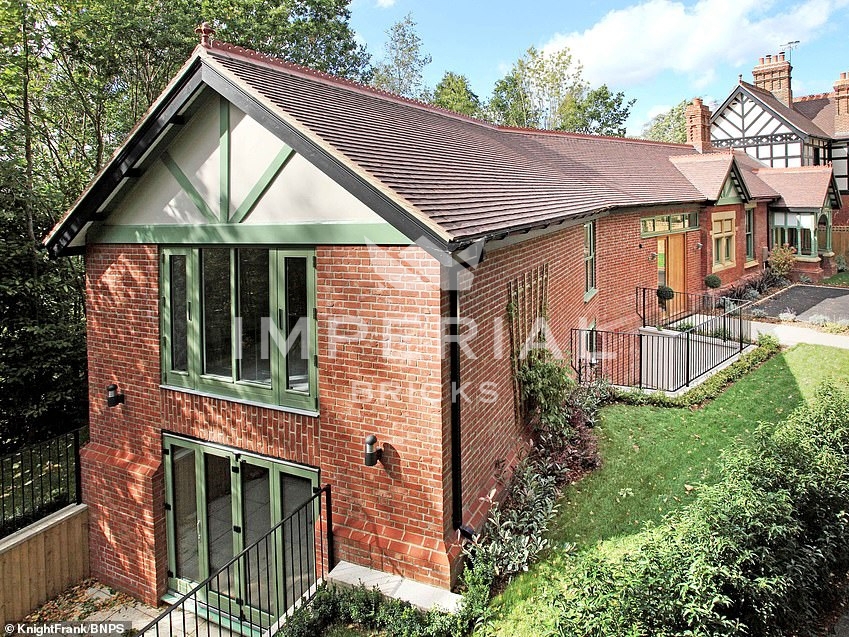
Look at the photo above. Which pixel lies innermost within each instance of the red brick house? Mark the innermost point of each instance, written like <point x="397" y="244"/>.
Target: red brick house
<point x="382" y="239"/>
<point x="768" y="122"/>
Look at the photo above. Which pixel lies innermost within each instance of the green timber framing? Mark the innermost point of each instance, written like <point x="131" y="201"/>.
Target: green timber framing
<point x="148" y="143"/>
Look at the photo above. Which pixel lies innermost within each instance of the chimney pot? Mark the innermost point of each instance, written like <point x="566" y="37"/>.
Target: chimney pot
<point x="762" y="62"/>
<point x="773" y="75"/>
<point x="781" y="56"/>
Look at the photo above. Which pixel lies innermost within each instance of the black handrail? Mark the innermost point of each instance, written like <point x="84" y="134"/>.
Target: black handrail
<point x="287" y="577"/>
<point x="657" y="312"/>
<point x="666" y="360"/>
<point x="39" y="479"/>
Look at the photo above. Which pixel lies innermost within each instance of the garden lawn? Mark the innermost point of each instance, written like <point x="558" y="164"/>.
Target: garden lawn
<point x="841" y="278"/>
<point x="653" y="460"/>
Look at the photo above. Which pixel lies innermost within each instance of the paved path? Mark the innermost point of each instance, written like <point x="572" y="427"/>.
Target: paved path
<point x="790" y="334"/>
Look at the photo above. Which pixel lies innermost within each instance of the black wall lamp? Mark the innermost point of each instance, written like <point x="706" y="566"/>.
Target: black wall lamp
<point x="113" y="398"/>
<point x="373" y="455"/>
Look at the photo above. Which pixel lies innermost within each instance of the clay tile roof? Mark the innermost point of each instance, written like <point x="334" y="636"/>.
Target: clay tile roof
<point x="819" y="109"/>
<point x="469" y="177"/>
<point x="793" y="116"/>
<point x="707" y="172"/>
<point x="749" y="167"/>
<point x="806" y="187"/>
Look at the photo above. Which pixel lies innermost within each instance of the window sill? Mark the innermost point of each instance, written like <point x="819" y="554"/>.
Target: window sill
<point x="589" y="295"/>
<point x="719" y="267"/>
<point x="751" y="264"/>
<point x="242" y="401"/>
<point x="807" y="259"/>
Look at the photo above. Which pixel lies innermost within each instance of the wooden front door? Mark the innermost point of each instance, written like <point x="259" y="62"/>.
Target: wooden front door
<point x="671" y="269"/>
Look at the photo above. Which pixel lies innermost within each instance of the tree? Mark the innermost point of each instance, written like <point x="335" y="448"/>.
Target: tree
<point x="313" y="33"/>
<point x="599" y="112"/>
<point x="400" y="70"/>
<point x="75" y="76"/>
<point x="547" y="91"/>
<point x="669" y="126"/>
<point x="511" y="104"/>
<point x="454" y="93"/>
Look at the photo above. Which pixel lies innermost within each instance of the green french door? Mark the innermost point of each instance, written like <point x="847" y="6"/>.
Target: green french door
<point x="220" y="501"/>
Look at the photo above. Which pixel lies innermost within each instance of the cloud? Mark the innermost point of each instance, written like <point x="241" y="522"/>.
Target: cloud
<point x="384" y="4"/>
<point x="632" y="45"/>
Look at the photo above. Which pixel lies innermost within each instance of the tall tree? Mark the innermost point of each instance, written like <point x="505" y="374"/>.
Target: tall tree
<point x="314" y="33"/>
<point x="400" y="70"/>
<point x="599" y="111"/>
<point x="548" y="91"/>
<point x="454" y="93"/>
<point x="511" y="103"/>
<point x="669" y="126"/>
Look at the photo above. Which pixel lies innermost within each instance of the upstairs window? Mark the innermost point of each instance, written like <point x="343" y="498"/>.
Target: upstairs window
<point x="239" y="322"/>
<point x="723" y="239"/>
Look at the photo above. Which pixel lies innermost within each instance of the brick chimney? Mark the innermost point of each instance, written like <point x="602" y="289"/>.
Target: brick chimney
<point x="698" y="125"/>
<point x="841" y="100"/>
<point x="773" y="74"/>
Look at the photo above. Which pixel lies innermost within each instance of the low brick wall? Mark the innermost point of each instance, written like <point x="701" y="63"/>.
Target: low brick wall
<point x="39" y="562"/>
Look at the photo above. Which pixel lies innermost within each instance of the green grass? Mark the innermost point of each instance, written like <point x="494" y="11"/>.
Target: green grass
<point x="841" y="278"/>
<point x="651" y="455"/>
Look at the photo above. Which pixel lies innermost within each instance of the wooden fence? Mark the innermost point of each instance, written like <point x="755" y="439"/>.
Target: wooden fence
<point x="840" y="240"/>
<point x="39" y="562"/>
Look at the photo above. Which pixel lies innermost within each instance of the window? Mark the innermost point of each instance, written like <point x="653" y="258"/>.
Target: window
<point x="239" y="322"/>
<point x="589" y="259"/>
<point x="723" y="239"/>
<point x="750" y="234"/>
<point x="667" y="224"/>
<point x="796" y="229"/>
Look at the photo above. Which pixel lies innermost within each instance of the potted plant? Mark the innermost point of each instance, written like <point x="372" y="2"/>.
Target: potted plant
<point x="712" y="281"/>
<point x="664" y="294"/>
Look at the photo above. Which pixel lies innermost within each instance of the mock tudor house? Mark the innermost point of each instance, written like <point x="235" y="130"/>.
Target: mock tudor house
<point x="382" y="240"/>
<point x="765" y="120"/>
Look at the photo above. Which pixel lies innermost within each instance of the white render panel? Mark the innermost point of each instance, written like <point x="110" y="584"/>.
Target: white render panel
<point x="252" y="149"/>
<point x="196" y="151"/>
<point x="794" y="162"/>
<point x="156" y="199"/>
<point x="303" y="194"/>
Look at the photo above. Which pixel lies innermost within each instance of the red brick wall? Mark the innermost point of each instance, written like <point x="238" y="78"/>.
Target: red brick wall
<point x="741" y="269"/>
<point x="490" y="430"/>
<point x="385" y="377"/>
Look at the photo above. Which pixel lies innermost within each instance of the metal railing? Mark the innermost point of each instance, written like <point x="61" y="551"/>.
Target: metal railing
<point x="256" y="590"/>
<point x="39" y="479"/>
<point x="655" y="312"/>
<point x="666" y="360"/>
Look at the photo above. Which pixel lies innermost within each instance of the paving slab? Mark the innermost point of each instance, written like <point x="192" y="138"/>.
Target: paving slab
<point x="808" y="300"/>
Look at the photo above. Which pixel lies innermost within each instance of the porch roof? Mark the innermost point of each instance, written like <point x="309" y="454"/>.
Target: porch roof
<point x="808" y="187"/>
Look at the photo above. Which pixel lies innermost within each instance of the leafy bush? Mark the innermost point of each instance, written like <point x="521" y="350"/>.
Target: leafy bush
<point x="759" y="313"/>
<point x="782" y="259"/>
<point x="787" y="315"/>
<point x="836" y="327"/>
<point x="712" y="281"/>
<point x="756" y="554"/>
<point x="545" y="381"/>
<point x="665" y="293"/>
<point x="840" y="263"/>
<point x="818" y="319"/>
<point x="804" y="278"/>
<point x="751" y="294"/>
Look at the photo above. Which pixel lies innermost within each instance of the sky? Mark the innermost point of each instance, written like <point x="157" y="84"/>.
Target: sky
<point x="657" y="51"/>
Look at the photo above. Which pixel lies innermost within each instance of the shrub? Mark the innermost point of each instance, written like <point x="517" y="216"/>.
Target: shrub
<point x="712" y="281"/>
<point x="782" y="259"/>
<point x="751" y="294"/>
<point x="665" y="293"/>
<point x="818" y="319"/>
<point x="787" y="315"/>
<point x="545" y="382"/>
<point x="804" y="278"/>
<point x="840" y="263"/>
<point x="836" y="327"/>
<point x="759" y="313"/>
<point x="755" y="554"/>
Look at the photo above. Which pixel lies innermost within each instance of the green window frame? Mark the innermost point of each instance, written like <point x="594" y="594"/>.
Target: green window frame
<point x="668" y="224"/>
<point x="723" y="235"/>
<point x="796" y="229"/>
<point x="750" y="234"/>
<point x="590" y="283"/>
<point x="221" y="334"/>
